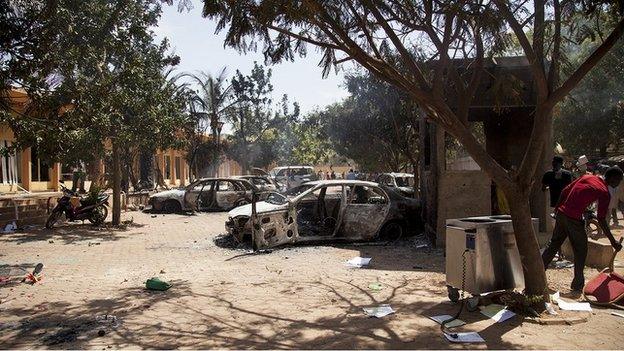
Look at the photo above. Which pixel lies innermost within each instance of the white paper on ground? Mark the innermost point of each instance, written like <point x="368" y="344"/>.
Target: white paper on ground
<point x="379" y="311"/>
<point x="574" y="306"/>
<point x="496" y="312"/>
<point x="469" y="337"/>
<point x="570" y="306"/>
<point x="359" y="262"/>
<point x="443" y="317"/>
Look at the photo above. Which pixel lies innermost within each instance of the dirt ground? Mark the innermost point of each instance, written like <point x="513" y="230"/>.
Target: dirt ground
<point x="224" y="297"/>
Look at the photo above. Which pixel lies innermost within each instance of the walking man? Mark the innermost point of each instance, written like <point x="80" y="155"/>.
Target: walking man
<point x="573" y="201"/>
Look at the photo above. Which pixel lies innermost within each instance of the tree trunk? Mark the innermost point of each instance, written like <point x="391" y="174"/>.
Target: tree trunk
<point x="528" y="246"/>
<point x="116" y="184"/>
<point x="416" y="179"/>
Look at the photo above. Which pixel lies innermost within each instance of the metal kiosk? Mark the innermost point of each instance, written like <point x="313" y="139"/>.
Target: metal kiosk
<point x="482" y="257"/>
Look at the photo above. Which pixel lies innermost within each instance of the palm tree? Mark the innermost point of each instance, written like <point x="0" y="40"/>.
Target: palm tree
<point x="208" y="104"/>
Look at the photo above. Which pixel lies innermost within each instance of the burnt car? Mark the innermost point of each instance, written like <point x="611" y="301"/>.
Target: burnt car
<point x="329" y="210"/>
<point x="207" y="194"/>
<point x="261" y="182"/>
<point x="403" y="182"/>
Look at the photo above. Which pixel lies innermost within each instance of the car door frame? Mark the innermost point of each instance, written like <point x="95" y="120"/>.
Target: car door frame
<point x="365" y="215"/>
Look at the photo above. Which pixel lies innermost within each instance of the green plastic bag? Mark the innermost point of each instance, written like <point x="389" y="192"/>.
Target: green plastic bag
<point x="155" y="283"/>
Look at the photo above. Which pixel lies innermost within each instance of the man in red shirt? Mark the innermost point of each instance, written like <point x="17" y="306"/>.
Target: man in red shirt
<point x="574" y="200"/>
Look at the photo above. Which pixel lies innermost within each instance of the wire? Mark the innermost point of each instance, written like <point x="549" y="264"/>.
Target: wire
<point x="463" y="301"/>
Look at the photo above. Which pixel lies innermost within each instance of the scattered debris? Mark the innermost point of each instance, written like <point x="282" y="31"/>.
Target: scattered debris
<point x="445" y="317"/>
<point x="101" y="332"/>
<point x="550" y="309"/>
<point x="51" y="241"/>
<point x="109" y="319"/>
<point x="617" y="314"/>
<point x="155" y="283"/>
<point x="162" y="271"/>
<point x="90" y="243"/>
<point x="359" y="262"/>
<point x="35" y="276"/>
<point x="153" y="216"/>
<point x="379" y="311"/>
<point x="376" y="287"/>
<point x="563" y="264"/>
<point x="497" y="312"/>
<point x="9" y="228"/>
<point x="469" y="337"/>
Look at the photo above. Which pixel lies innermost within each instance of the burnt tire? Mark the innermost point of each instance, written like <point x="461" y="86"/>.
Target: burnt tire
<point x="52" y="219"/>
<point x="171" y="206"/>
<point x="391" y="231"/>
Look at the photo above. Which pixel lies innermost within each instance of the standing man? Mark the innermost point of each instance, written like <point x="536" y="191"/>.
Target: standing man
<point x="555" y="180"/>
<point x="350" y="175"/>
<point x="573" y="201"/>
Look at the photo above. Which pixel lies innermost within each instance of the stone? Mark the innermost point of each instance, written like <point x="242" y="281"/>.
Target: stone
<point x="599" y="253"/>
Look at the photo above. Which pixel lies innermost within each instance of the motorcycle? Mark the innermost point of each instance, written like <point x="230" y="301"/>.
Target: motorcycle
<point x="79" y="209"/>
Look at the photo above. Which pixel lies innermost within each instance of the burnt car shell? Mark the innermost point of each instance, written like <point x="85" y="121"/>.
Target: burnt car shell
<point x="331" y="210"/>
<point x="207" y="194"/>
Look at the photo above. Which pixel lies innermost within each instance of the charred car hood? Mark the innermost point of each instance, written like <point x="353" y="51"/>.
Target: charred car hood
<point x="170" y="194"/>
<point x="261" y="207"/>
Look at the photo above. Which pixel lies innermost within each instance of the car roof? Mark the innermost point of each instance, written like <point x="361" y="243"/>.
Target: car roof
<point x="341" y="182"/>
<point x="286" y="167"/>
<point x="233" y="178"/>
<point x="399" y="174"/>
<point x="249" y="176"/>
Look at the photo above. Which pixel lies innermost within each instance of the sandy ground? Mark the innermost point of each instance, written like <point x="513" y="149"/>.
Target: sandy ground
<point x="296" y="297"/>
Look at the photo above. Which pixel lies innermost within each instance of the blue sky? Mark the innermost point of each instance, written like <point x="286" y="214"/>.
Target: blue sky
<point x="192" y="38"/>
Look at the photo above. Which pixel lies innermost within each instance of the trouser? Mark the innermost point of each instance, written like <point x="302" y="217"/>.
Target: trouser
<point x="568" y="228"/>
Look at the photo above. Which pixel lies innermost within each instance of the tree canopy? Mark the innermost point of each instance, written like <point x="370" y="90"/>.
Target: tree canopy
<point x="435" y="51"/>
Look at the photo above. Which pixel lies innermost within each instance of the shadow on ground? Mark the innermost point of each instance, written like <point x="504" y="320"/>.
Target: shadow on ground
<point x="70" y="232"/>
<point x="184" y="318"/>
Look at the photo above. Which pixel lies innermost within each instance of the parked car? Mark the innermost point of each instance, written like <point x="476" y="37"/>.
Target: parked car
<point x="293" y="176"/>
<point x="403" y="182"/>
<point x="208" y="194"/>
<point x="328" y="210"/>
<point x="263" y="183"/>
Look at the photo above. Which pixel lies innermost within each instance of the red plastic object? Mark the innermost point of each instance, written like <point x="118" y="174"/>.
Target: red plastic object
<point x="606" y="287"/>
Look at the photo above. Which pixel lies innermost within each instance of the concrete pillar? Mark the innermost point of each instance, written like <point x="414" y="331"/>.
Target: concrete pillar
<point x="25" y="166"/>
<point x="182" y="172"/>
<point x="55" y="176"/>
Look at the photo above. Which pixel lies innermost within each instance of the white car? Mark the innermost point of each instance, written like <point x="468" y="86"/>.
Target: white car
<point x="208" y="194"/>
<point x="293" y="176"/>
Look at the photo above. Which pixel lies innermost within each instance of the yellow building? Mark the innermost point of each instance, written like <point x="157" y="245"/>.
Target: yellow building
<point x="23" y="170"/>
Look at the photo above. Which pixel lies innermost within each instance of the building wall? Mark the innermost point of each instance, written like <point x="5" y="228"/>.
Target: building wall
<point x="22" y="164"/>
<point x="470" y="193"/>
